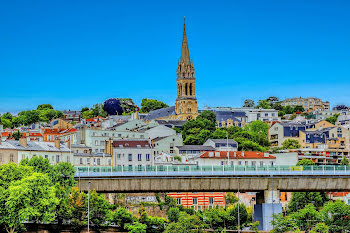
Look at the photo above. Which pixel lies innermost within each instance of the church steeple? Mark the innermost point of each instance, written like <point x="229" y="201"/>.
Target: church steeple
<point x="186" y="101"/>
<point x="185" y="54"/>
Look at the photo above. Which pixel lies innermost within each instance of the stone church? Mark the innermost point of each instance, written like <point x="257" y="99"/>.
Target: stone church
<point x="186" y="102"/>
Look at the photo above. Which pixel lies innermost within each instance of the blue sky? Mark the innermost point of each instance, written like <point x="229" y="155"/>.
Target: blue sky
<point x="76" y="53"/>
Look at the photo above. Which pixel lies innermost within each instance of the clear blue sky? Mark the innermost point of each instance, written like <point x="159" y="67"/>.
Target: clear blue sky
<point x="76" y="53"/>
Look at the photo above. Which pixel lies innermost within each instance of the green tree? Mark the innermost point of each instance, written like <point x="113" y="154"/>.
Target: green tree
<point x="298" y="108"/>
<point x="290" y="144"/>
<point x="231" y="198"/>
<point x="283" y="224"/>
<point x="305" y="162"/>
<point x="44" y="107"/>
<point x="332" y="119"/>
<point x="16" y="135"/>
<point x="84" y="109"/>
<point x="122" y="217"/>
<point x="336" y="215"/>
<point x="173" y="214"/>
<point x="320" y="228"/>
<point x="307" y="217"/>
<point x="300" y="199"/>
<point x="99" y="210"/>
<point x="29" y="199"/>
<point x="6" y="123"/>
<point x="148" y="105"/>
<point x="154" y="224"/>
<point x="344" y="161"/>
<point x="136" y="227"/>
<point x="87" y="114"/>
<point x="186" y="224"/>
<point x="12" y="172"/>
<point x="263" y="104"/>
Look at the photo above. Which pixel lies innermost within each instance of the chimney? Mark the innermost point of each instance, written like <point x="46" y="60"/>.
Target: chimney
<point x="23" y="141"/>
<point x="57" y="143"/>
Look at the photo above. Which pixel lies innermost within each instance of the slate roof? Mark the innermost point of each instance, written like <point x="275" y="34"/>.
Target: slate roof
<point x="79" y="146"/>
<point x="160" y="113"/>
<point x="222" y="140"/>
<point x="33" y="146"/>
<point x="171" y="122"/>
<point x="225" y="115"/>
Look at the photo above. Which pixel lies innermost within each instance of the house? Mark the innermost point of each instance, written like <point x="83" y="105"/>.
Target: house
<point x="190" y="151"/>
<point x="129" y="153"/>
<point x="160" y="131"/>
<point x="222" y="144"/>
<point x="15" y="151"/>
<point x="199" y="200"/>
<point x="309" y="104"/>
<point x="235" y="158"/>
<point x="231" y="118"/>
<point x="71" y="115"/>
<point x="166" y="144"/>
<point x="83" y="156"/>
<point x="279" y="132"/>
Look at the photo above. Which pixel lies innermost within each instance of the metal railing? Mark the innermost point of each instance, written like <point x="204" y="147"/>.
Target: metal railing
<point x="183" y="170"/>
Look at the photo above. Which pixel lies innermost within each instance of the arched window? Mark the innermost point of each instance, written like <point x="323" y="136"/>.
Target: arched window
<point x="191" y="89"/>
<point x="186" y="89"/>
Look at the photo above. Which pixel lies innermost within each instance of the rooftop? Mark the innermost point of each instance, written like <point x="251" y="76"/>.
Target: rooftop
<point x="236" y="155"/>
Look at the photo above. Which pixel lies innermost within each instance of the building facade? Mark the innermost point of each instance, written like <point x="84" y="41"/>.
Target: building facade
<point x="309" y="104"/>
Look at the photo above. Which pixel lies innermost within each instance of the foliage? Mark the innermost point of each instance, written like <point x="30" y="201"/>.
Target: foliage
<point x="148" y="105"/>
<point x="178" y="158"/>
<point x="290" y="144"/>
<point x="344" y="161"/>
<point x="16" y="135"/>
<point x="320" y="227"/>
<point x="173" y="214"/>
<point x="283" y="224"/>
<point x="248" y="103"/>
<point x="307" y="217"/>
<point x="332" y="119"/>
<point x="44" y="107"/>
<point x="186" y="224"/>
<point x="263" y="104"/>
<point x="95" y="111"/>
<point x="254" y="226"/>
<point x="122" y="217"/>
<point x="300" y="199"/>
<point x="154" y="224"/>
<point x="113" y="107"/>
<point x="231" y="198"/>
<point x="128" y="105"/>
<point x="136" y="227"/>
<point x="337" y="216"/>
<point x="305" y="162"/>
<point x="99" y="209"/>
<point x="29" y="199"/>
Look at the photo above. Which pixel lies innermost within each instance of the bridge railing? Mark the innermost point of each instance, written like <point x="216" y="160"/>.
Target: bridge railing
<point x="209" y="169"/>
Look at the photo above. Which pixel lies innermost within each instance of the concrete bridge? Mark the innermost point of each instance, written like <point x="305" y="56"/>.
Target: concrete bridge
<point x="219" y="178"/>
<point x="266" y="181"/>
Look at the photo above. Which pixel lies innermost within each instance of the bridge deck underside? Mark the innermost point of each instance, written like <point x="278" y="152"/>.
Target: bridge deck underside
<point x="217" y="183"/>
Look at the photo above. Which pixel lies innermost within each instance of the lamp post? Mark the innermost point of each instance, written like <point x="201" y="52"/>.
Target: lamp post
<point x="239" y="220"/>
<point x="89" y="206"/>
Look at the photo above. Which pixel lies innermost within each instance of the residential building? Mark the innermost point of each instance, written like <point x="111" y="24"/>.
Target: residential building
<point x="280" y="132"/>
<point x="166" y="144"/>
<point x="189" y="151"/>
<point x="199" y="200"/>
<point x="309" y="104"/>
<point x="235" y="158"/>
<point x="320" y="114"/>
<point x="231" y="118"/>
<point x="15" y="151"/>
<point x="71" y="115"/>
<point x="129" y="153"/>
<point x="83" y="156"/>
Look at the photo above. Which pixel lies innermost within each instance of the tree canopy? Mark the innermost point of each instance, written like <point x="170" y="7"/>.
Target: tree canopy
<point x="148" y="105"/>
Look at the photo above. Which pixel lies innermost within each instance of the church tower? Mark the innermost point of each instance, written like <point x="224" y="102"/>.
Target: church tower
<point x="186" y="101"/>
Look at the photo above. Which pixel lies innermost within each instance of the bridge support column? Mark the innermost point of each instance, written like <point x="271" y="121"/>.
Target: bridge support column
<point x="267" y="204"/>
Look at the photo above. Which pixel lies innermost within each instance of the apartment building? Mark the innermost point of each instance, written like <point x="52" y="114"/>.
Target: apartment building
<point x="309" y="104"/>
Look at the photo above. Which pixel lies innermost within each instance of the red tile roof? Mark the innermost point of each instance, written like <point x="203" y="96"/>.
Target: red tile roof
<point x="338" y="194"/>
<point x="131" y="143"/>
<point x="247" y="155"/>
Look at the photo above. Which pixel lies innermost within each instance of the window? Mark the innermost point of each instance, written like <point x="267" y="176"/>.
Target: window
<point x="195" y="201"/>
<point x="139" y="157"/>
<point x="96" y="143"/>
<point x="147" y="157"/>
<point x="109" y="162"/>
<point x="253" y="163"/>
<point x="179" y="201"/>
<point x="88" y="160"/>
<point x="119" y="135"/>
<point x="46" y="156"/>
<point x="102" y="150"/>
<point x="130" y="157"/>
<point x="81" y="160"/>
<point x="211" y="200"/>
<point x="102" y="143"/>
<point x="261" y="163"/>
<point x="118" y="156"/>
<point x="98" y="161"/>
<point x="57" y="158"/>
<point x="139" y="167"/>
<point x="246" y="163"/>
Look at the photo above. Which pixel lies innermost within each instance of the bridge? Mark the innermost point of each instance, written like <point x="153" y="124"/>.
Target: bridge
<point x="214" y="178"/>
<point x="267" y="181"/>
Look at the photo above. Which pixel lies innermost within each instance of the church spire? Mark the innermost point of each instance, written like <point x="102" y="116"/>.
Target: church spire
<point x="185" y="54"/>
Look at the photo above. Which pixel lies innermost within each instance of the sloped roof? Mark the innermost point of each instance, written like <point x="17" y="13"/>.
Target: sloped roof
<point x="33" y="146"/>
<point x="131" y="143"/>
<point x="195" y="147"/>
<point x="237" y="155"/>
<point x="160" y="113"/>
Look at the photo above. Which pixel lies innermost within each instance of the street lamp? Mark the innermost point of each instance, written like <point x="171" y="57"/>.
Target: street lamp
<point x="239" y="220"/>
<point x="89" y="206"/>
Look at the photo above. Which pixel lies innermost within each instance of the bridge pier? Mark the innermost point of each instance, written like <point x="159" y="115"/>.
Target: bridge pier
<point x="267" y="204"/>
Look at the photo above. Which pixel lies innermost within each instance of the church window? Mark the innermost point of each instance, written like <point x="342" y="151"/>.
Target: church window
<point x="186" y="89"/>
<point x="190" y="88"/>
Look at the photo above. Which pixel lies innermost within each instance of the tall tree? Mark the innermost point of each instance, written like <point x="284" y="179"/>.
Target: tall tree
<point x="148" y="105"/>
<point x="248" y="103"/>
